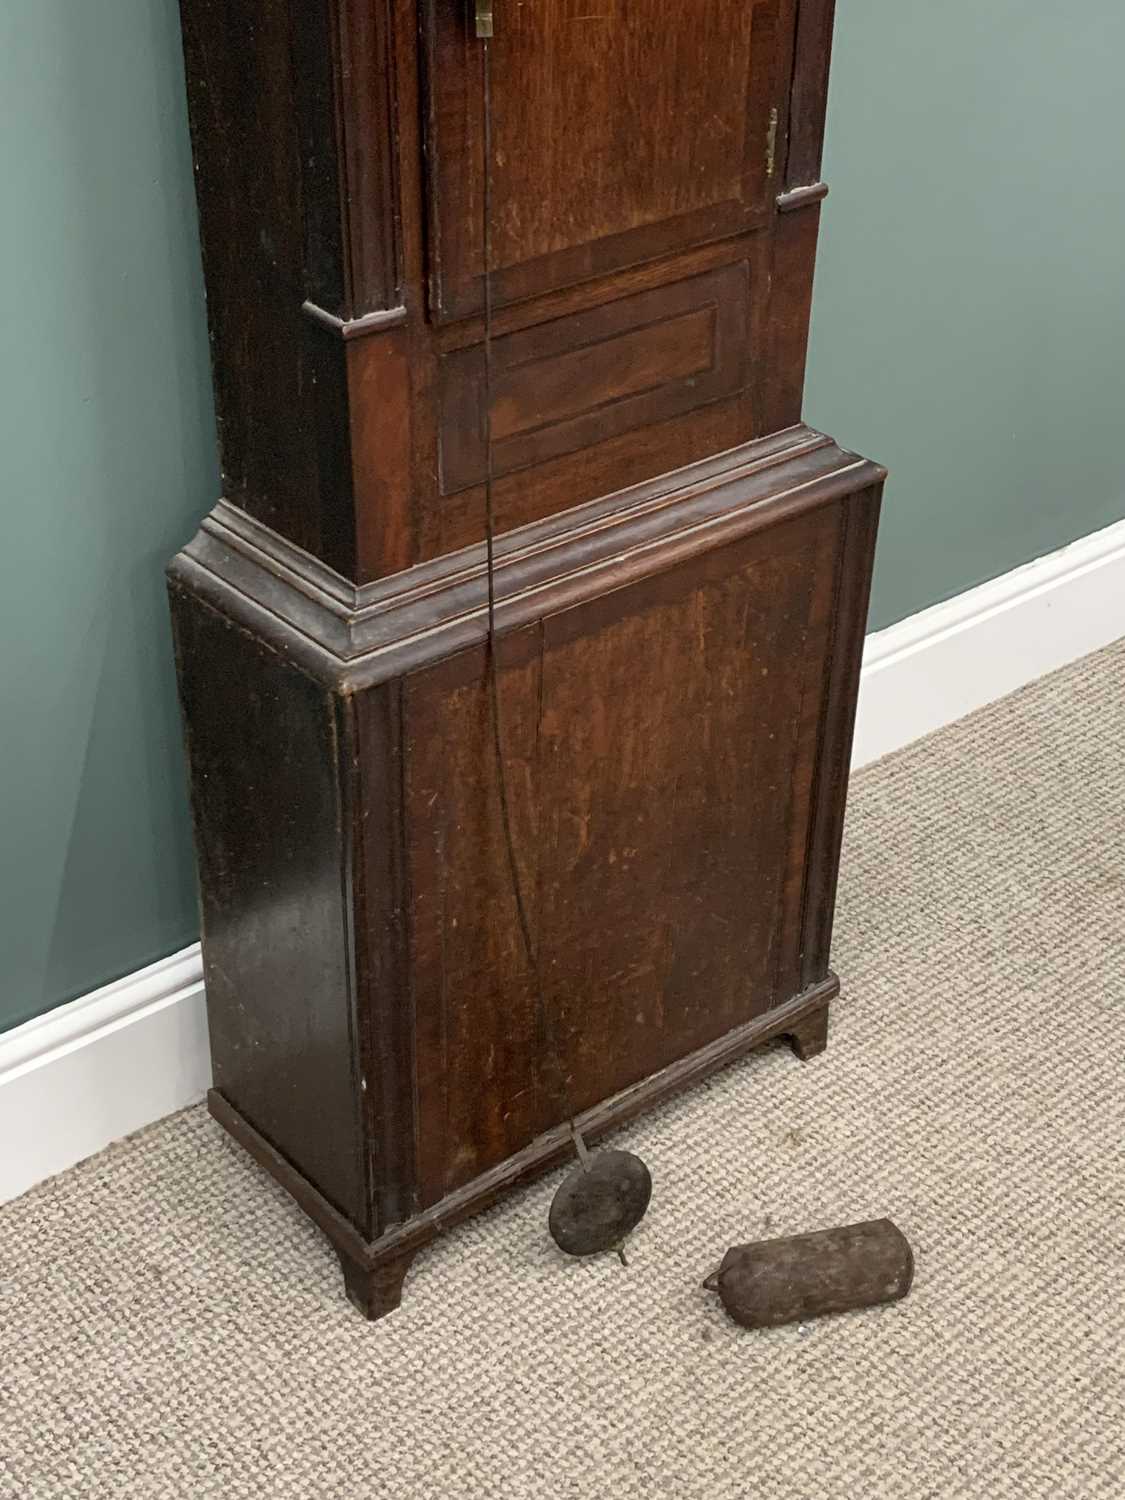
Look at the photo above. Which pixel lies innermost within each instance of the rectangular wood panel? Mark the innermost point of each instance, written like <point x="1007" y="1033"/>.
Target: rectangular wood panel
<point x="671" y="735"/>
<point x="580" y="380"/>
<point x="653" y="738"/>
<point x="263" y="746"/>
<point x="475" y="1003"/>
<point x="621" y="130"/>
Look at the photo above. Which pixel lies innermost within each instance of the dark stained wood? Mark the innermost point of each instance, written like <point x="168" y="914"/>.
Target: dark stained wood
<point x="809" y="1038"/>
<point x="680" y="584"/>
<point x="338" y="155"/>
<point x="398" y="1244"/>
<point x="339" y="1229"/>
<point x="794" y="260"/>
<point x="315" y="47"/>
<point x="368" y="188"/>
<point x="616" y="462"/>
<point x="841" y="690"/>
<point x="603" y="291"/>
<point x="671" y="125"/>
<point x="568" y="384"/>
<point x="379" y="878"/>
<point x="280" y="384"/>
<point x="374" y="1290"/>
<point x="675" y="670"/>
<point x="478" y="1025"/>
<point x="675" y="784"/>
<point x="605" y="772"/>
<point x="809" y="92"/>
<point x="344" y="102"/>
<point x="382" y="421"/>
<point x="385" y="629"/>
<point x="266" y="784"/>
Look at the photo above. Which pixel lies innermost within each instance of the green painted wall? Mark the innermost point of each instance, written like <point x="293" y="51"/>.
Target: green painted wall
<point x="106" y="464"/>
<point x="969" y="319"/>
<point x="967" y="331"/>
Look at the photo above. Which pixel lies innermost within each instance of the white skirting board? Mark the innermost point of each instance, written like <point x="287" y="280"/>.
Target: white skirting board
<point x="134" y="1051"/>
<point x="101" y="1067"/>
<point x="940" y="664"/>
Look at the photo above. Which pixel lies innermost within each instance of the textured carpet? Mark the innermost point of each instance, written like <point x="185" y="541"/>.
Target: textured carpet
<point x="171" y="1326"/>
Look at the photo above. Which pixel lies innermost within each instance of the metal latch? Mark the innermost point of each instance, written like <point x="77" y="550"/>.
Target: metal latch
<point x="771" y="144"/>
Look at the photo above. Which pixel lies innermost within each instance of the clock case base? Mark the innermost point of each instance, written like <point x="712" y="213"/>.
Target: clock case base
<point x="678" y="670"/>
<point x="374" y="1270"/>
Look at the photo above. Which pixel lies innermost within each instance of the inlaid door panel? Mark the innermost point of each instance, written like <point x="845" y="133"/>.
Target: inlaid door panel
<point x="659" y="745"/>
<point x="668" y="801"/>
<point x="572" y="382"/>
<point x="622" y="130"/>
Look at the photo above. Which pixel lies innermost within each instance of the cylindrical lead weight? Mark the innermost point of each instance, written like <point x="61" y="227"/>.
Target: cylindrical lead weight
<point x="786" y="1281"/>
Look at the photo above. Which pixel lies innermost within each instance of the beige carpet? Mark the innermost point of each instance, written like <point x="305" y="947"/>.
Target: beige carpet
<point x="171" y="1326"/>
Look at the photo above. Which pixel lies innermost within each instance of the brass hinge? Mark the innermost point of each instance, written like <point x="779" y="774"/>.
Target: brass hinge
<point x="771" y="144"/>
<point x="484" y="18"/>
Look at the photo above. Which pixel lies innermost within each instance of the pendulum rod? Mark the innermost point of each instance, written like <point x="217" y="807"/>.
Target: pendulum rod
<point x="490" y="533"/>
<point x="605" y="1197"/>
<point x="490" y="520"/>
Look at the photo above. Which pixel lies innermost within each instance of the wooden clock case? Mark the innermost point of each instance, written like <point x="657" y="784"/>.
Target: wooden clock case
<point x="682" y="580"/>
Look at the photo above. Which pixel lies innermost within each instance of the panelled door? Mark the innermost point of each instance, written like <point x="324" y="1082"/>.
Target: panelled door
<point x="622" y="131"/>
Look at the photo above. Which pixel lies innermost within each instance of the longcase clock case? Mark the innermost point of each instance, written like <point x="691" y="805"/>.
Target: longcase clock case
<point x="682" y="577"/>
